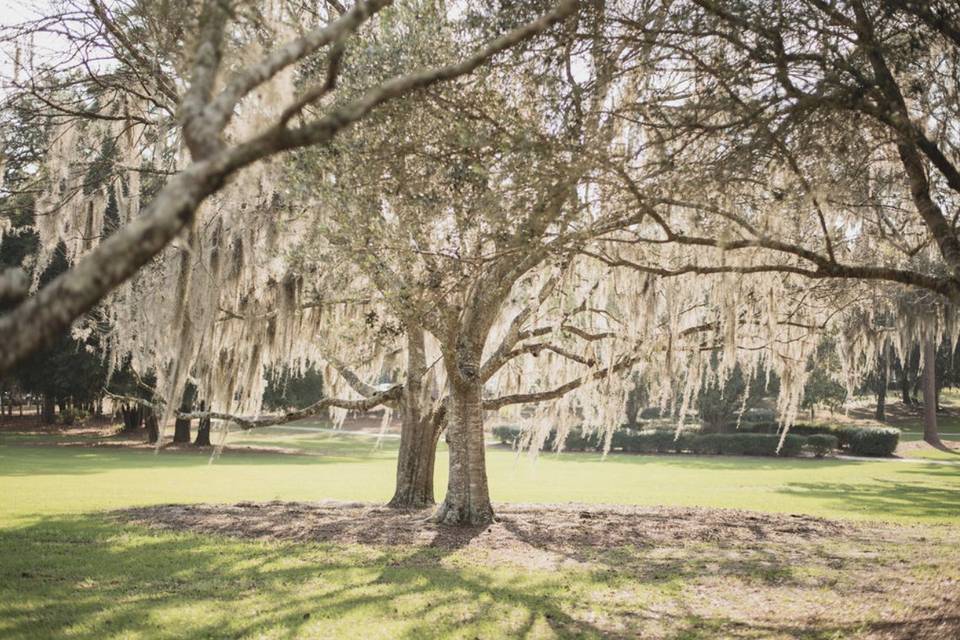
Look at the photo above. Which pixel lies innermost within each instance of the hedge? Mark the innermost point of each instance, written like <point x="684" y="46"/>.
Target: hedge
<point x="647" y="441"/>
<point x="506" y="434"/>
<point x="862" y="441"/>
<point x="822" y="439"/>
<point x="874" y="441"/>
<point x="822" y="443"/>
<point x="746" y="444"/>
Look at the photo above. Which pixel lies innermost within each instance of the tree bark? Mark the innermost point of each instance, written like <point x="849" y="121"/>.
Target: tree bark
<point x="930" y="432"/>
<point x="415" y="463"/>
<point x="181" y="431"/>
<point x="153" y="427"/>
<point x="418" y="434"/>
<point x="881" y="388"/>
<point x="881" y="413"/>
<point x="203" y="430"/>
<point x="468" y="497"/>
<point x="47" y="416"/>
<point x="132" y="417"/>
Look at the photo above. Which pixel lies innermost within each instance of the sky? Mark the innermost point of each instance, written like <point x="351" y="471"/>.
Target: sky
<point x="14" y="12"/>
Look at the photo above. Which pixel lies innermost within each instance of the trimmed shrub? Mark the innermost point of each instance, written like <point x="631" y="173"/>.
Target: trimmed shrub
<point x="874" y="441"/>
<point x="861" y="441"/>
<point x="575" y="441"/>
<point x="822" y="443"/>
<point x="760" y="444"/>
<point x="746" y="444"/>
<point x="649" y="413"/>
<point x="506" y="434"/>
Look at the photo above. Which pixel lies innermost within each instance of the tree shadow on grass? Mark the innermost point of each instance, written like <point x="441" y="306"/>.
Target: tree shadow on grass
<point x="28" y="460"/>
<point x="83" y="577"/>
<point x="888" y="497"/>
<point x="89" y="577"/>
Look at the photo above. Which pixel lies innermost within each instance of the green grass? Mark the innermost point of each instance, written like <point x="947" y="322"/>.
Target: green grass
<point x="81" y="577"/>
<point x="38" y="480"/>
<point x="68" y="570"/>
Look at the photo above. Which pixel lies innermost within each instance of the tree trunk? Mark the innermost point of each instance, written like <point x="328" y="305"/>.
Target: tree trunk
<point x="468" y="497"/>
<point x="47" y="416"/>
<point x="132" y="417"/>
<point x="418" y="434"/>
<point x="881" y="413"/>
<point x="181" y="426"/>
<point x="881" y="388"/>
<point x="203" y="430"/>
<point x="181" y="431"/>
<point x="930" y="432"/>
<point x="153" y="427"/>
<point x="415" y="463"/>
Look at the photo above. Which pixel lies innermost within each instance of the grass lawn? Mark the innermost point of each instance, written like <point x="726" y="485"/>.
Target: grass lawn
<point x="68" y="569"/>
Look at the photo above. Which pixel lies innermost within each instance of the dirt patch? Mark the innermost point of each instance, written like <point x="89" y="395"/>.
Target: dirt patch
<point x="661" y="572"/>
<point x="561" y="527"/>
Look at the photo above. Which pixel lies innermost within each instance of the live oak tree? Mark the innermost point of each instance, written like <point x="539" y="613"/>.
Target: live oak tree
<point x="640" y="190"/>
<point x="197" y="100"/>
<point x="486" y="219"/>
<point x="817" y="139"/>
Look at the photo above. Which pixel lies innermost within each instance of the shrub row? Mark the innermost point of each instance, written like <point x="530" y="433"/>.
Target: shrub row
<point x="663" y="441"/>
<point x="858" y="441"/>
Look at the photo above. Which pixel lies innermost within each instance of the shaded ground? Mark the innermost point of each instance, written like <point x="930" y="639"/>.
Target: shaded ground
<point x="666" y="572"/>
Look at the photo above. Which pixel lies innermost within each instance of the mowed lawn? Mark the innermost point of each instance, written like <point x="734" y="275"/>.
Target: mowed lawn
<point x="45" y="480"/>
<point x="69" y="569"/>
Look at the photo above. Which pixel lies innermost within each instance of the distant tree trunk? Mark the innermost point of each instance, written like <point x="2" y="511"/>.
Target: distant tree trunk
<point x="203" y="430"/>
<point x="181" y="431"/>
<point x="153" y="427"/>
<point x="904" y="389"/>
<point x="930" y="433"/>
<point x="181" y="427"/>
<point x="881" y="413"/>
<point x="49" y="410"/>
<point x="132" y="417"/>
<point x="881" y="388"/>
<point x="900" y="368"/>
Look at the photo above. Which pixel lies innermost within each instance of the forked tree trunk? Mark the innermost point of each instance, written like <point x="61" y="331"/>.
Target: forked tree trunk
<point x="468" y="497"/>
<point x="930" y="432"/>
